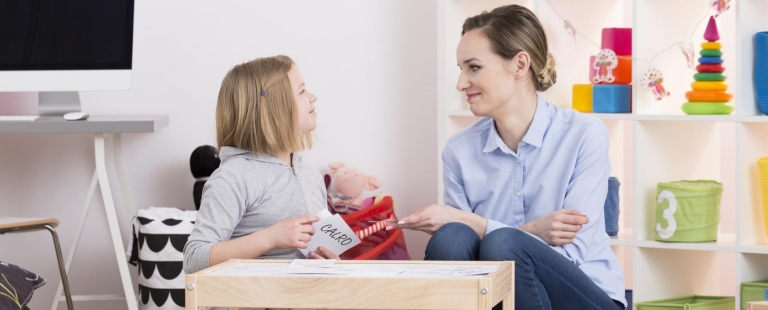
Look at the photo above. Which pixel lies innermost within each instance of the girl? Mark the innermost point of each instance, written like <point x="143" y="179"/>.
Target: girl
<point x="527" y="183"/>
<point x="261" y="201"/>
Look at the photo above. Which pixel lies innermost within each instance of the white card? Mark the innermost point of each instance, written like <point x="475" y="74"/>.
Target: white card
<point x="332" y="233"/>
<point x="324" y="214"/>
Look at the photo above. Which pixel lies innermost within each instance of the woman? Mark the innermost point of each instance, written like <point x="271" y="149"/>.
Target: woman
<point x="527" y="183"/>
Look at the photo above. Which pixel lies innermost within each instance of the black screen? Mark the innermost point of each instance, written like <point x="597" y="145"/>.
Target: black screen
<point x="66" y="34"/>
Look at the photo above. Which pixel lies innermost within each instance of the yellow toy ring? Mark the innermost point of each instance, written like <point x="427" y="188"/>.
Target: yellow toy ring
<point x="706" y="85"/>
<point x="711" y="46"/>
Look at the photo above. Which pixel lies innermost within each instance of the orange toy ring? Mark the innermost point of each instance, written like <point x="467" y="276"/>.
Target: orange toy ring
<point x="710" y="96"/>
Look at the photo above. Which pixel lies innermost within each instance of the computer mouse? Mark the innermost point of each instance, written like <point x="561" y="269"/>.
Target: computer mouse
<point x="76" y="116"/>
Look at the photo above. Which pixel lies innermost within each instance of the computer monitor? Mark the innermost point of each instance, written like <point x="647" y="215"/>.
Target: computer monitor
<point x="60" y="47"/>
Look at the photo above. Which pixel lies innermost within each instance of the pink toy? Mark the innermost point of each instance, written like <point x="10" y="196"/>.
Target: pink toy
<point x="604" y="63"/>
<point x="619" y="40"/>
<point x="653" y="80"/>
<point x="569" y="29"/>
<point x="720" y="6"/>
<point x="347" y="183"/>
<point x="711" y="33"/>
<point x="610" y="70"/>
<point x="687" y="49"/>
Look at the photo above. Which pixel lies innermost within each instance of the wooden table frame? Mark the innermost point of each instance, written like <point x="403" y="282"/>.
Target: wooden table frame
<point x="344" y="292"/>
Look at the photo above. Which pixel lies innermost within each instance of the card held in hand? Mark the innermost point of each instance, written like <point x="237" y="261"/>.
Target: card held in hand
<point x="332" y="233"/>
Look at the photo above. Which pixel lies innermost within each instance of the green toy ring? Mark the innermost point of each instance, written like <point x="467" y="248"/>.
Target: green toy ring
<point x="711" y="53"/>
<point x="709" y="77"/>
<point x="707" y="108"/>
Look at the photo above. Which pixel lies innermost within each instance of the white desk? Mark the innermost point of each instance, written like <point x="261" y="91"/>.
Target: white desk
<point x="102" y="127"/>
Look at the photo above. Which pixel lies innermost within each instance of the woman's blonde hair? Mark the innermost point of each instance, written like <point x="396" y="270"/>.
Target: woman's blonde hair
<point x="256" y="110"/>
<point x="512" y="29"/>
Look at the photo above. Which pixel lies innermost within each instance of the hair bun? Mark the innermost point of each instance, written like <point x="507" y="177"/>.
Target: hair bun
<point x="547" y="76"/>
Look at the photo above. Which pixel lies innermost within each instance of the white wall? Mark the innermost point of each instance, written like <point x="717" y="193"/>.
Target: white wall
<point x="371" y="63"/>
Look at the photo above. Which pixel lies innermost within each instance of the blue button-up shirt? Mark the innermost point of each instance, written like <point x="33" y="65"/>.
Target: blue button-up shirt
<point x="561" y="163"/>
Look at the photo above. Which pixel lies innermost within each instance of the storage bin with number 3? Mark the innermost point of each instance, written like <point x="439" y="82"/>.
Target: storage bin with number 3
<point x="688" y="211"/>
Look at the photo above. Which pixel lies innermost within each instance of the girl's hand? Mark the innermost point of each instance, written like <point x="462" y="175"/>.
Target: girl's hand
<point x="323" y="253"/>
<point x="430" y="219"/>
<point x="292" y="233"/>
<point x="557" y="228"/>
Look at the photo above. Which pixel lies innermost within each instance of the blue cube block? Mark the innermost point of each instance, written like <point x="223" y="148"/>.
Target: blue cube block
<point x="611" y="98"/>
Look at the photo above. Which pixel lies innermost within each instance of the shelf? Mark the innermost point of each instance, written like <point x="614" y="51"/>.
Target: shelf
<point x="654" y="118"/>
<point x="702" y="118"/>
<point x="624" y="238"/>
<point x="726" y="243"/>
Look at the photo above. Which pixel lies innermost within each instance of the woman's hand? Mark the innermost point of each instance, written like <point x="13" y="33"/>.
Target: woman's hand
<point x="557" y="228"/>
<point x="292" y="233"/>
<point x="431" y="218"/>
<point x="323" y="253"/>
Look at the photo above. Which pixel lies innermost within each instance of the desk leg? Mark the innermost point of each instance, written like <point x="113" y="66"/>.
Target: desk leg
<point x="100" y="178"/>
<point x="114" y="229"/>
<point x="190" y="295"/>
<point x="117" y="152"/>
<point x="509" y="302"/>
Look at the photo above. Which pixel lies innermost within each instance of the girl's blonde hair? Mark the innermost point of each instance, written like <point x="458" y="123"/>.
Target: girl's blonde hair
<point x="256" y="110"/>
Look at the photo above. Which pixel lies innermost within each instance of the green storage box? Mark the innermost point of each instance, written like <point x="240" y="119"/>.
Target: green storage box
<point x="753" y="291"/>
<point x="688" y="211"/>
<point x="695" y="302"/>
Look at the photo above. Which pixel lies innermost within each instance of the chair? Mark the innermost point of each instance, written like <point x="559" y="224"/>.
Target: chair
<point x="16" y="224"/>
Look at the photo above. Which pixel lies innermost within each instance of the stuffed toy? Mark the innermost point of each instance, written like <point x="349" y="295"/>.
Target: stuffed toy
<point x="347" y="183"/>
<point x="204" y="160"/>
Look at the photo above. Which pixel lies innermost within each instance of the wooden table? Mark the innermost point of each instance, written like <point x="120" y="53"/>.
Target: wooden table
<point x="221" y="286"/>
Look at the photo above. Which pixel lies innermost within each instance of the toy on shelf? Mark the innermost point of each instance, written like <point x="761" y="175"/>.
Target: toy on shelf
<point x="762" y="166"/>
<point x="611" y="70"/>
<point x="619" y="40"/>
<point x="688" y="211"/>
<point x="709" y="94"/>
<point x="653" y="80"/>
<point x="761" y="71"/>
<point x="720" y="6"/>
<point x="582" y="97"/>
<point x="687" y="49"/>
<point x="609" y="98"/>
<point x="689" y="302"/>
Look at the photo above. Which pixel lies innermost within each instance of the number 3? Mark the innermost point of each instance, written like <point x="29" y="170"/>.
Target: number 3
<point x="668" y="215"/>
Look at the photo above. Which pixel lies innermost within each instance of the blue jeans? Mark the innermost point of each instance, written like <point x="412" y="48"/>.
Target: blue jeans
<point x="544" y="279"/>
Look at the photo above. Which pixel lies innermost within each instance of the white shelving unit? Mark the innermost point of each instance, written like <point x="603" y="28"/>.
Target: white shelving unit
<point x="656" y="142"/>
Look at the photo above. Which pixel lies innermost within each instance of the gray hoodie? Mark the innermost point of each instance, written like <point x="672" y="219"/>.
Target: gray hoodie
<point x="248" y="193"/>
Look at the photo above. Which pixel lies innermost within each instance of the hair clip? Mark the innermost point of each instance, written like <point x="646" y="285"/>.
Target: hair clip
<point x="263" y="92"/>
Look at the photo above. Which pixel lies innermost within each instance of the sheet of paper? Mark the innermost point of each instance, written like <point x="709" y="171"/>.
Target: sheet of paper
<point x="331" y="233"/>
<point x="318" y="270"/>
<point x="304" y="263"/>
<point x="375" y="273"/>
<point x="250" y="270"/>
<point x="329" y="267"/>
